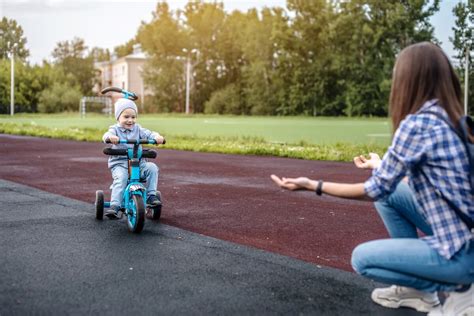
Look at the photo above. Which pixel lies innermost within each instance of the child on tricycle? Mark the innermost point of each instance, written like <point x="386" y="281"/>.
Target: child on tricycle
<point x="127" y="129"/>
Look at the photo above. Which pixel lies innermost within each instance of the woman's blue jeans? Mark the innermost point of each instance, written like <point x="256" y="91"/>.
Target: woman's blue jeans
<point x="406" y="260"/>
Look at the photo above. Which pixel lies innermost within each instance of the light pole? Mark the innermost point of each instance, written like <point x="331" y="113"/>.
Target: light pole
<point x="188" y="75"/>
<point x="12" y="87"/>
<point x="142" y="88"/>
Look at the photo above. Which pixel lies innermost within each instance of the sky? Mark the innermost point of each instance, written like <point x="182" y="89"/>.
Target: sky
<point x="109" y="23"/>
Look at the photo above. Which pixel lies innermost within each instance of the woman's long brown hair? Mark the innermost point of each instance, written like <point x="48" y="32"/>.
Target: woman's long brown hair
<point x="423" y="72"/>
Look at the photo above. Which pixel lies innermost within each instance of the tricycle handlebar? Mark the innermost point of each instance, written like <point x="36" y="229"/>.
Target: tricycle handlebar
<point x="136" y="141"/>
<point x="126" y="94"/>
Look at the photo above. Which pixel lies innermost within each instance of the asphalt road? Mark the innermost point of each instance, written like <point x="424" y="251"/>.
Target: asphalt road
<point x="57" y="259"/>
<point x="229" y="197"/>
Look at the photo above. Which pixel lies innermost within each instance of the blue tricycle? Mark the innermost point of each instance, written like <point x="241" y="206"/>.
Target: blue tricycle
<point x="134" y="197"/>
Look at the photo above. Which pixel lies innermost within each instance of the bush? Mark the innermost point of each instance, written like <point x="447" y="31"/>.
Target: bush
<point x="59" y="98"/>
<point x="149" y="105"/>
<point x="224" y="101"/>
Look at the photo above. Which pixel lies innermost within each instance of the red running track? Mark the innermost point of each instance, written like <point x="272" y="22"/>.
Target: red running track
<point x="230" y="197"/>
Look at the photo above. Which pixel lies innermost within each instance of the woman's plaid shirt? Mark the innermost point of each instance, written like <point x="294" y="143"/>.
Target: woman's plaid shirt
<point x="433" y="157"/>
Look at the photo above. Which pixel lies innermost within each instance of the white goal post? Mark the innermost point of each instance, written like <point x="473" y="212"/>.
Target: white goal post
<point x="106" y="101"/>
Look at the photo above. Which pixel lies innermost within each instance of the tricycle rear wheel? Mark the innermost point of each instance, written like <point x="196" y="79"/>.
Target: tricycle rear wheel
<point x="99" y="205"/>
<point x="154" y="213"/>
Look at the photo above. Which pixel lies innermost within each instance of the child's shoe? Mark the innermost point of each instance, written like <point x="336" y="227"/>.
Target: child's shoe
<point x="399" y="296"/>
<point x="457" y="304"/>
<point x="153" y="201"/>
<point x="154" y="205"/>
<point x="113" y="212"/>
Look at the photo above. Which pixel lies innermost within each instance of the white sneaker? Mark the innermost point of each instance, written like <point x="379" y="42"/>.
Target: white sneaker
<point x="399" y="296"/>
<point x="457" y="304"/>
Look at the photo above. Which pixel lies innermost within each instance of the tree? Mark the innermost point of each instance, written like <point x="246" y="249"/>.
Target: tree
<point x="228" y="48"/>
<point x="99" y="54"/>
<point x="72" y="57"/>
<point x="69" y="49"/>
<point x="307" y="59"/>
<point x="225" y="101"/>
<point x="59" y="97"/>
<point x="204" y="22"/>
<point x="260" y="78"/>
<point x="11" y="33"/>
<point x="339" y="57"/>
<point x="464" y="39"/>
<point x="163" y="39"/>
<point x="322" y="58"/>
<point x="125" y="49"/>
<point x="30" y="81"/>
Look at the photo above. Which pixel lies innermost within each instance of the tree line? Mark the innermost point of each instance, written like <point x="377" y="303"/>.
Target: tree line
<point x="318" y="57"/>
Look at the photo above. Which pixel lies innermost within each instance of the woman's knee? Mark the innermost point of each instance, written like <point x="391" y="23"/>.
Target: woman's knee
<point x="359" y="258"/>
<point x="382" y="207"/>
<point x="371" y="254"/>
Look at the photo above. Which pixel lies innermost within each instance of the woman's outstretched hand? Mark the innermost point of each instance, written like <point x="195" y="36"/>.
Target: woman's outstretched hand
<point x="372" y="163"/>
<point x="301" y="183"/>
<point x="348" y="191"/>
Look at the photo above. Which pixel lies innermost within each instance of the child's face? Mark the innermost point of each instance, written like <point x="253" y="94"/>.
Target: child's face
<point x="127" y="118"/>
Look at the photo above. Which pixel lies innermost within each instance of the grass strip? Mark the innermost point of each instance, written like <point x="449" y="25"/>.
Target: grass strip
<point x="339" y="151"/>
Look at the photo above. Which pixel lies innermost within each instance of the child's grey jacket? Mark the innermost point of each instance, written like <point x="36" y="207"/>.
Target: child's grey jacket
<point x="137" y="132"/>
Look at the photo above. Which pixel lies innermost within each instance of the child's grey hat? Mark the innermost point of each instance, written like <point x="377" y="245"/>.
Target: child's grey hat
<point x="123" y="104"/>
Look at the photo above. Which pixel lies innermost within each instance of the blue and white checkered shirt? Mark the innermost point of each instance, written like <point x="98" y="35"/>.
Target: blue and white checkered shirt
<point x="426" y="149"/>
<point x="137" y="132"/>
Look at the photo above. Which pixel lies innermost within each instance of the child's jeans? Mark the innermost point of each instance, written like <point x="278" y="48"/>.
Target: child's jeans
<point x="148" y="171"/>
<point x="406" y="260"/>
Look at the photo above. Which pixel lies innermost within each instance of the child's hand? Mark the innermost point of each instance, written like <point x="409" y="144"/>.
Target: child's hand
<point x="114" y="139"/>
<point x="159" y="140"/>
<point x="372" y="163"/>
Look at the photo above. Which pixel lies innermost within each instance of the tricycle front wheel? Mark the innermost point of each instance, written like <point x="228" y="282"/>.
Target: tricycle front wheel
<point x="136" y="214"/>
<point x="99" y="205"/>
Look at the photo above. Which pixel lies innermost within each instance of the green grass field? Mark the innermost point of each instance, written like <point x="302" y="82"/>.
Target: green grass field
<point x="289" y="130"/>
<point x="336" y="139"/>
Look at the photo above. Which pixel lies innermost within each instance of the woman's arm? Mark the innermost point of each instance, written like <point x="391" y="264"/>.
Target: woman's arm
<point x="353" y="191"/>
<point x="343" y="190"/>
